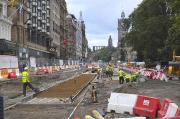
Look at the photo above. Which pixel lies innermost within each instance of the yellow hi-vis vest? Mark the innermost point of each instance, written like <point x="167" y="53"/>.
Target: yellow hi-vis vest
<point x="25" y="77"/>
<point x="121" y="73"/>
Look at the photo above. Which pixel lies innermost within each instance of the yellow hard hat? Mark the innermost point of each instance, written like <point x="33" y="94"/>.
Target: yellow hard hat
<point x="87" y="117"/>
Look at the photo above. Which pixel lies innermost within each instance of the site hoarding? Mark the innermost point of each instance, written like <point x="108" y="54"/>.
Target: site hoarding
<point x="8" y="61"/>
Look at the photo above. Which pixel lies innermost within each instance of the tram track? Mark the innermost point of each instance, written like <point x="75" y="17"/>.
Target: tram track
<point x="75" y="94"/>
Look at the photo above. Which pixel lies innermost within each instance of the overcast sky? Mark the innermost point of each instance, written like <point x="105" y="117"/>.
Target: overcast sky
<point x="101" y="17"/>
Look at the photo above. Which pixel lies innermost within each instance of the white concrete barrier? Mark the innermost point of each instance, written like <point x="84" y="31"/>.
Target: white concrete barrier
<point x="121" y="103"/>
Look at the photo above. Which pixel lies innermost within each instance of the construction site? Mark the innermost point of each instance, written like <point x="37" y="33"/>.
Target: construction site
<point x="68" y="95"/>
<point x="89" y="59"/>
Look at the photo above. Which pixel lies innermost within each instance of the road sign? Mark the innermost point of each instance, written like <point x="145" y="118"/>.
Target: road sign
<point x="1" y="108"/>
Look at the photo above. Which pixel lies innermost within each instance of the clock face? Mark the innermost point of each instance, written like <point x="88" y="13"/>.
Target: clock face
<point x="122" y="25"/>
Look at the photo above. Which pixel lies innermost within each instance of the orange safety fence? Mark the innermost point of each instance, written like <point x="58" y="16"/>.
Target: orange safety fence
<point x="5" y="72"/>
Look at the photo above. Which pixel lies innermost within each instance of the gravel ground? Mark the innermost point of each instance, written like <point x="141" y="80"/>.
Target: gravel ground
<point x="155" y="88"/>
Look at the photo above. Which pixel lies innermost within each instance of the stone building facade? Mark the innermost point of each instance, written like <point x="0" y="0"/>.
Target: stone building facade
<point x="78" y="41"/>
<point x="38" y="29"/>
<point x="55" y="27"/>
<point x="5" y="23"/>
<point x="6" y="46"/>
<point x="71" y="39"/>
<point x="63" y="29"/>
<point x="84" y="42"/>
<point x="41" y="30"/>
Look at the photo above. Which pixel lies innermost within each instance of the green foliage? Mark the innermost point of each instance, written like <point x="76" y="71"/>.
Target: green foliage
<point x="155" y="30"/>
<point x="104" y="54"/>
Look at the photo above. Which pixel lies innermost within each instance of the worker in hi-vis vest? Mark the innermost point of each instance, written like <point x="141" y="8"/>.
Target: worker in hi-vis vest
<point x="26" y="82"/>
<point x="99" y="73"/>
<point x="121" y="75"/>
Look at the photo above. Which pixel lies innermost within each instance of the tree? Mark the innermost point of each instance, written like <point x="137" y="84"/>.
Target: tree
<point x="149" y="31"/>
<point x="173" y="41"/>
<point x="104" y="54"/>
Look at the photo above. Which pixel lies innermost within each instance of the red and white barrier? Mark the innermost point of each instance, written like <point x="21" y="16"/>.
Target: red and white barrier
<point x="172" y="110"/>
<point x="132" y="118"/>
<point x="150" y="73"/>
<point x="162" y="112"/>
<point x="178" y="112"/>
<point x="171" y="117"/>
<point x="121" y="103"/>
<point x="146" y="106"/>
<point x="177" y="115"/>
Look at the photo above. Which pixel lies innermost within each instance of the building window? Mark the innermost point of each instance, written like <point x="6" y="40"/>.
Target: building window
<point x="43" y="6"/>
<point x="47" y="2"/>
<point x="29" y="34"/>
<point x="48" y="11"/>
<point x="34" y="20"/>
<point x="1" y="9"/>
<point x="29" y="16"/>
<point x="34" y="9"/>
<point x="29" y="3"/>
<point x="48" y="29"/>
<point x="39" y="13"/>
<point x="39" y="3"/>
<point x="44" y="16"/>
<point x="48" y="20"/>
<point x="43" y="26"/>
<point x="33" y="36"/>
<point x="39" y="23"/>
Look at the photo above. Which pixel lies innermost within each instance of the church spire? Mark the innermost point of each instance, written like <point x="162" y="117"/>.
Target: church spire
<point x="80" y="16"/>
<point x="122" y="15"/>
<point x="110" y="44"/>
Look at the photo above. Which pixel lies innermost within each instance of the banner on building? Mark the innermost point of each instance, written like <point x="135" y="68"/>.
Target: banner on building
<point x="32" y="61"/>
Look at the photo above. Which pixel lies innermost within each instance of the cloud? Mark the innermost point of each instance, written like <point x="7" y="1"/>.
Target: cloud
<point x="101" y="17"/>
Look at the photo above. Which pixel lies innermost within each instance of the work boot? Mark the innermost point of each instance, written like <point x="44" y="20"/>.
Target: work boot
<point x="36" y="90"/>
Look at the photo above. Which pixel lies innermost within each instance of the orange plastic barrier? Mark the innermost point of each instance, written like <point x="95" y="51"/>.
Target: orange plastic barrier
<point x="12" y="75"/>
<point x="146" y="106"/>
<point x="0" y="74"/>
<point x="76" y="117"/>
<point x="164" y="108"/>
<point x="4" y="73"/>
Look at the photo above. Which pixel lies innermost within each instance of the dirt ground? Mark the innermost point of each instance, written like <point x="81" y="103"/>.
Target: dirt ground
<point x="68" y="88"/>
<point x="104" y="87"/>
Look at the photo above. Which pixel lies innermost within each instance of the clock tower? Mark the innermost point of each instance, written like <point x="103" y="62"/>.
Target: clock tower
<point x="121" y="29"/>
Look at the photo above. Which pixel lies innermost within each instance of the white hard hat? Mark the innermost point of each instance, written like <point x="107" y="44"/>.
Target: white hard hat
<point x="26" y="68"/>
